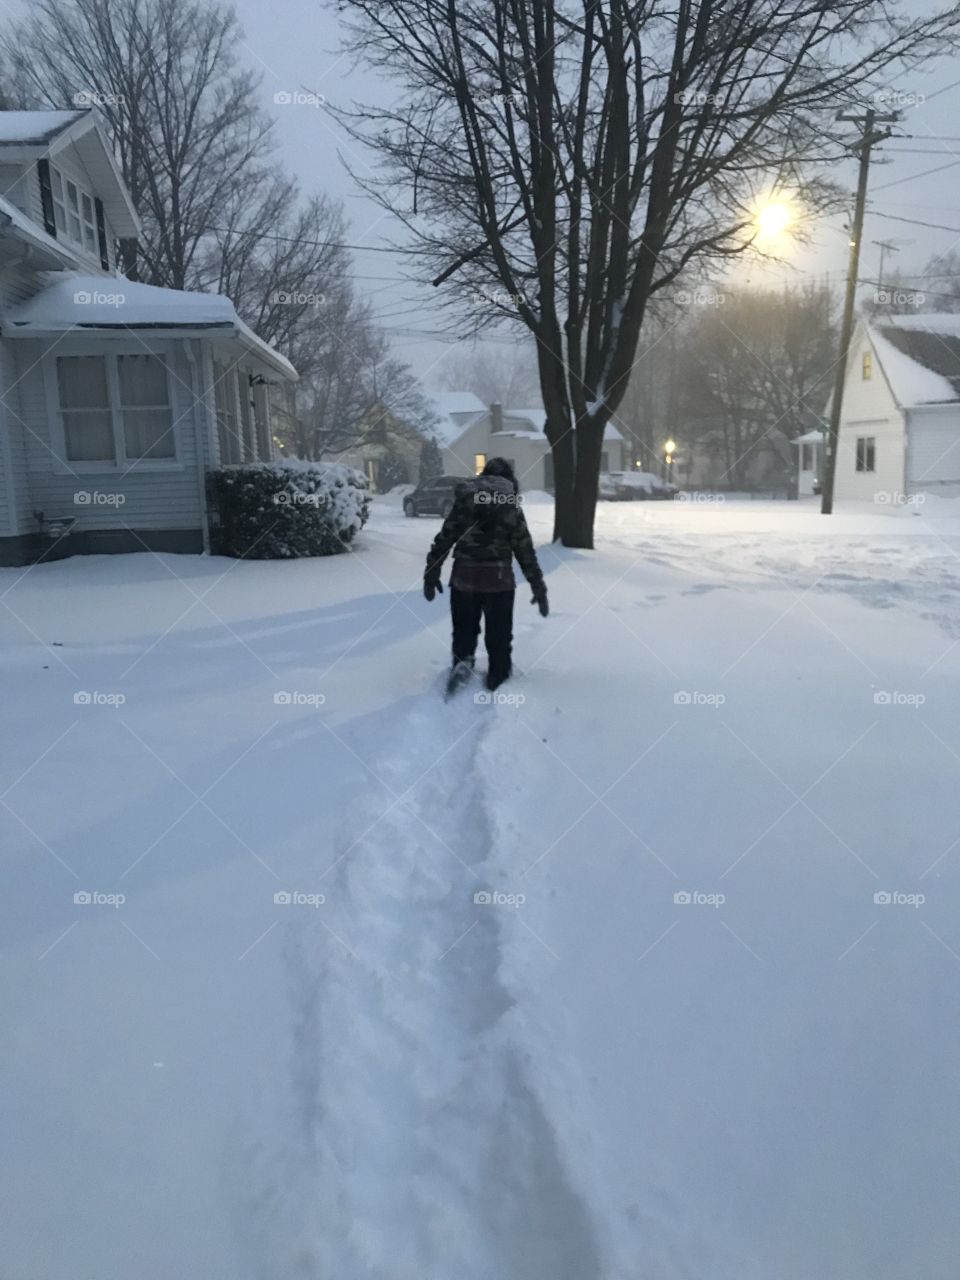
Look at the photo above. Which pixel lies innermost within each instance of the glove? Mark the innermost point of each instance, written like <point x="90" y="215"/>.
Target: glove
<point x="539" y="598"/>
<point x="431" y="585"/>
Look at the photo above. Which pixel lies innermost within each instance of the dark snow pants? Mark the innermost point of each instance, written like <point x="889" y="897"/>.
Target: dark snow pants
<point x="495" y="608"/>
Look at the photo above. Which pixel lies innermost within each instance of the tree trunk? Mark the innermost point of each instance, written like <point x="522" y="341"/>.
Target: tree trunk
<point x="563" y="450"/>
<point x="578" y="453"/>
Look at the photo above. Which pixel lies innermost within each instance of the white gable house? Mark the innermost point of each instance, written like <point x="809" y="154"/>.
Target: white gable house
<point x="900" y="419"/>
<point x="469" y="433"/>
<point x="115" y="397"/>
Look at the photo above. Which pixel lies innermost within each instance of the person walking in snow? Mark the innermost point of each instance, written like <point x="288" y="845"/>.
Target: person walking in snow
<point x="485" y="529"/>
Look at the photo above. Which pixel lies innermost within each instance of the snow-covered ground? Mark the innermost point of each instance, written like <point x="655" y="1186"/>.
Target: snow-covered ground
<point x="682" y="1041"/>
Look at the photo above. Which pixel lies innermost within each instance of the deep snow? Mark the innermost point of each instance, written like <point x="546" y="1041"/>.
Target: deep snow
<point x="586" y="1078"/>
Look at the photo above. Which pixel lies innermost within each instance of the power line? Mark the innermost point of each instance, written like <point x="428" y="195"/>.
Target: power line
<point x="925" y="173"/>
<point x="915" y="222"/>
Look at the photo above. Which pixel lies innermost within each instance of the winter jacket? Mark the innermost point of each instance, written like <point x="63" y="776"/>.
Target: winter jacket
<point x="485" y="530"/>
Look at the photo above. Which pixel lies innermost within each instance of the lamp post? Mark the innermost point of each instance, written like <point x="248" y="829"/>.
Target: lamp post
<point x="669" y="448"/>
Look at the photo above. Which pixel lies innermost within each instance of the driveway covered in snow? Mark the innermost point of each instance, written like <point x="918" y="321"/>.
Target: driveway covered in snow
<point x="650" y="971"/>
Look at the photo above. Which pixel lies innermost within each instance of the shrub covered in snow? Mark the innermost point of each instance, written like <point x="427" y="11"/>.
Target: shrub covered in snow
<point x="282" y="510"/>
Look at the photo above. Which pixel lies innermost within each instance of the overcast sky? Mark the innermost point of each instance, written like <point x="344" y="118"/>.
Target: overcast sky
<point x="296" y="44"/>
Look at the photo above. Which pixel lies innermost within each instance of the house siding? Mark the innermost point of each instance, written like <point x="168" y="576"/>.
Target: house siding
<point x="16" y="284"/>
<point x="156" y="497"/>
<point x="21" y="186"/>
<point x="933" y="451"/>
<point x="529" y="456"/>
<point x="869" y="409"/>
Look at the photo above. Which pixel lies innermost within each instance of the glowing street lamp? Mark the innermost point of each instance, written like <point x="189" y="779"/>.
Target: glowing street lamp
<point x="669" y="449"/>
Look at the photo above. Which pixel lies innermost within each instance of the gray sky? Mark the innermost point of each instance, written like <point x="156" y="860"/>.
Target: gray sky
<point x="296" y="45"/>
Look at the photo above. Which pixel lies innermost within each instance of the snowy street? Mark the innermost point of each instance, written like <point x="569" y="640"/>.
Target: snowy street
<point x="650" y="971"/>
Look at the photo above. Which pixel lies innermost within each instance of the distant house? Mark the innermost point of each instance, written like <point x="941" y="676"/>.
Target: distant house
<point x="115" y="397"/>
<point x="900" y="419"/>
<point x="469" y="432"/>
<point x="809" y="462"/>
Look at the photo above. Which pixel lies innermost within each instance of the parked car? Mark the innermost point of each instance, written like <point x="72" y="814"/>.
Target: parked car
<point x="433" y="497"/>
<point x="635" y="486"/>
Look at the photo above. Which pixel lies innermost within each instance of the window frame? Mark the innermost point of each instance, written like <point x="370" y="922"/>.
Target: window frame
<point x="60" y="184"/>
<point x="120" y="462"/>
<point x="865" y="458"/>
<point x="866" y="366"/>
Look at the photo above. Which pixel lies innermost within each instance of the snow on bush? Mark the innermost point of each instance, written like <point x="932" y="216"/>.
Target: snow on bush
<point x="282" y="510"/>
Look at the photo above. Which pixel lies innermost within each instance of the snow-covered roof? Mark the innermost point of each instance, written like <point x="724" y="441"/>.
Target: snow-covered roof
<point x="920" y="356"/>
<point x="49" y="253"/>
<point x="809" y="437"/>
<point x="454" y="411"/>
<point x="34" y="128"/>
<point x="73" y="301"/>
<point x="26" y="136"/>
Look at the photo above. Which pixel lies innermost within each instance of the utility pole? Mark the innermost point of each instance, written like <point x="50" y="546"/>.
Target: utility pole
<point x="868" y="138"/>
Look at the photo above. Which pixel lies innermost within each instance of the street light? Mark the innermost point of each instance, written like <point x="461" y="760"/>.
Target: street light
<point x="669" y="448"/>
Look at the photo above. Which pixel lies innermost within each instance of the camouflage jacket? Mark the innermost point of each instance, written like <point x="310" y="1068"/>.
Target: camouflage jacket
<point x="485" y="527"/>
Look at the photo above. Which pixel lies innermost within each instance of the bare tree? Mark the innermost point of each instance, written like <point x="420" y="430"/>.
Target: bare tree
<point x="181" y="110"/>
<point x="504" y="373"/>
<point x="573" y="158"/>
<point x="756" y="367"/>
<point x="353" y="390"/>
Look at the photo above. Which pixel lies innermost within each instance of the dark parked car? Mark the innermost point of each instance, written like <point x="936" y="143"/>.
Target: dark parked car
<point x="432" y="497"/>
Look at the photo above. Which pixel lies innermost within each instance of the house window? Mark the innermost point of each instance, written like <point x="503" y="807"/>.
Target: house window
<point x="225" y="399"/>
<point x="604" y="461"/>
<point x="85" y="409"/>
<point x="115" y="408"/>
<point x="73" y="211"/>
<point x="866" y="366"/>
<point x="479" y="462"/>
<point x="806" y="457"/>
<point x="866" y="453"/>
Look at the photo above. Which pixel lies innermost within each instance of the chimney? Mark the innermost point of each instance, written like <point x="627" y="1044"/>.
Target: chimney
<point x="496" y="415"/>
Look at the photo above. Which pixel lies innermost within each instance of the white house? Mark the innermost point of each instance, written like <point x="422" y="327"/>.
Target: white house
<point x="469" y="433"/>
<point x="809" y="448"/>
<point x="900" y="420"/>
<point x="115" y="397"/>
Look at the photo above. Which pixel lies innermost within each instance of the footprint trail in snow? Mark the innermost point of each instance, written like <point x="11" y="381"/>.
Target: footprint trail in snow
<point x="423" y="1151"/>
